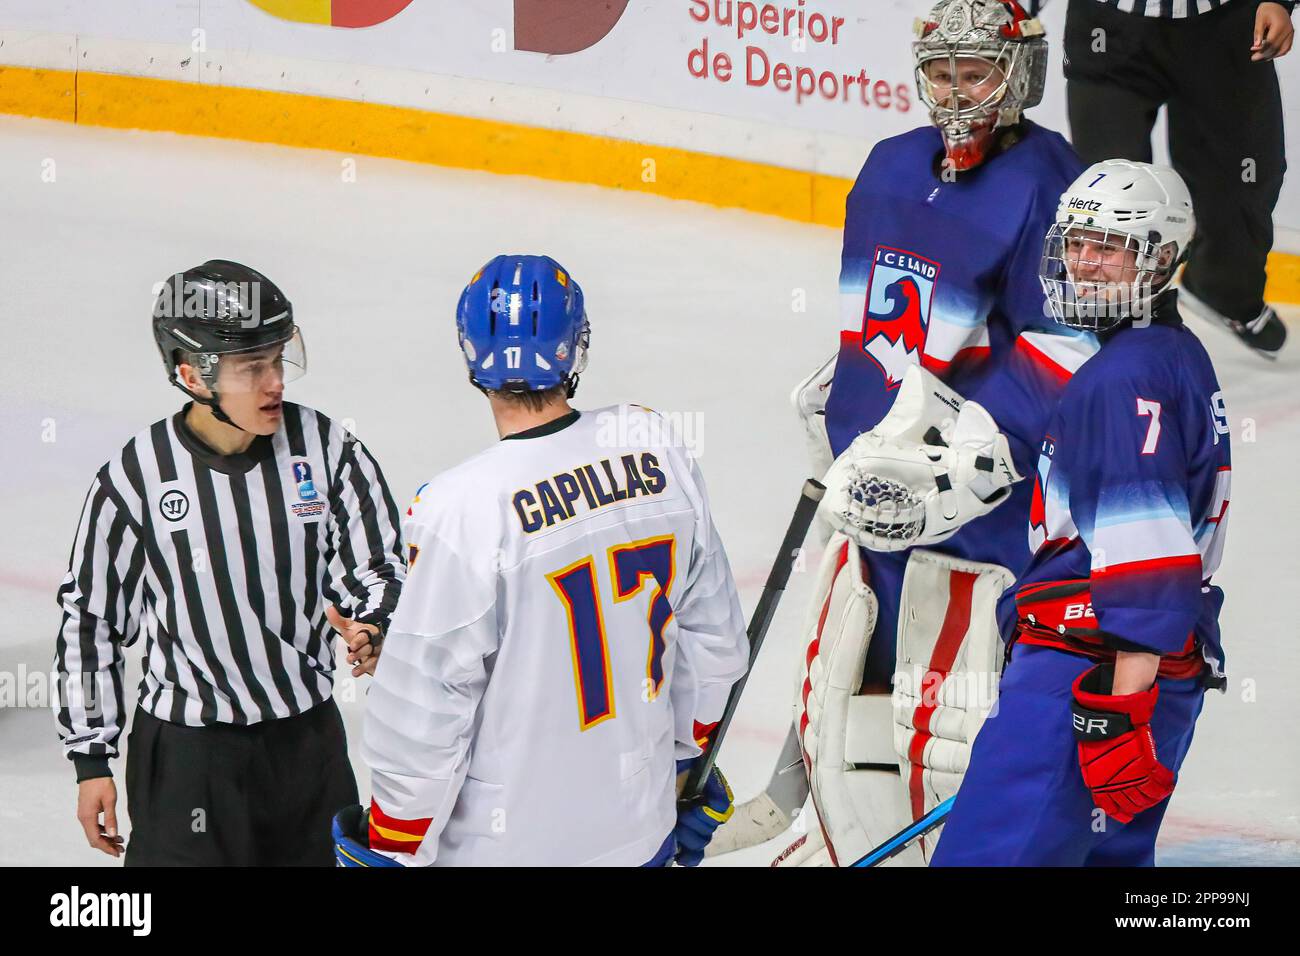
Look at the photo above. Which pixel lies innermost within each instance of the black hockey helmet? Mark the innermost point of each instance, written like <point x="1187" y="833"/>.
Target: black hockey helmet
<point x="217" y="309"/>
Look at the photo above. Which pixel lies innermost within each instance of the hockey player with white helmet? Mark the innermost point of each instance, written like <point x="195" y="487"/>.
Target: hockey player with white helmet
<point x="1126" y="211"/>
<point x="932" y="410"/>
<point x="1116" y="634"/>
<point x="1207" y="71"/>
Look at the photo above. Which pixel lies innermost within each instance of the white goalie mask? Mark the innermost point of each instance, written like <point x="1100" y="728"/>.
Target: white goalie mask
<point x="1121" y="230"/>
<point x="979" y="65"/>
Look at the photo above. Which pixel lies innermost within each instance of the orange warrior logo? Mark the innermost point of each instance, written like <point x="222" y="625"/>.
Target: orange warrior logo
<point x="900" y="294"/>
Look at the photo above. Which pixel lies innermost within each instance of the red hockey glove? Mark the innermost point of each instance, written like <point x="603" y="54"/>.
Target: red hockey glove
<point x="1116" y="750"/>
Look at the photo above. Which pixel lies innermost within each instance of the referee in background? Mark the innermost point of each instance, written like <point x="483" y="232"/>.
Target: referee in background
<point x="233" y="535"/>
<point x="1210" y="63"/>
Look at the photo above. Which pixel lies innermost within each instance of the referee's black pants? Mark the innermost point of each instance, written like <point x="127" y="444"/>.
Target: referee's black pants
<point x="1225" y="128"/>
<point x="224" y="795"/>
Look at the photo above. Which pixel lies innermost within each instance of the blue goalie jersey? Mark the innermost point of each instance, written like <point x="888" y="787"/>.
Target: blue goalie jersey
<point x="945" y="275"/>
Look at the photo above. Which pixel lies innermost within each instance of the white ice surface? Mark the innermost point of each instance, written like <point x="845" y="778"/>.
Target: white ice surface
<point x="692" y="310"/>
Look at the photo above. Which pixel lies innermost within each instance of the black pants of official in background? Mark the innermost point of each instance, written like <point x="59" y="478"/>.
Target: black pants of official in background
<point x="223" y="795"/>
<point x="1225" y="128"/>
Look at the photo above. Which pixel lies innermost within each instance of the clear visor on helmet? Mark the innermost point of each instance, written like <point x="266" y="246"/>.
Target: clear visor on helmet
<point x="1095" y="277"/>
<point x="963" y="84"/>
<point x="584" y="342"/>
<point x="261" y="369"/>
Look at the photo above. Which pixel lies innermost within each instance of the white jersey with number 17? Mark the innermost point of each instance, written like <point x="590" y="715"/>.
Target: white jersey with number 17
<point x="568" y="617"/>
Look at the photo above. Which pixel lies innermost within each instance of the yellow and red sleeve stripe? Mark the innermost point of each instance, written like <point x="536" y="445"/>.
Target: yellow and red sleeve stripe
<point x="703" y="732"/>
<point x="393" y="835"/>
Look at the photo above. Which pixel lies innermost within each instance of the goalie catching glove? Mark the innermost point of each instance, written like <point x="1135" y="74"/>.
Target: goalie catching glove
<point x="933" y="463"/>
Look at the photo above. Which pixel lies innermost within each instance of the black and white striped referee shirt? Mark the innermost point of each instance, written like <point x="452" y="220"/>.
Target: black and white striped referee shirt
<point x="1180" y="9"/>
<point x="226" y="564"/>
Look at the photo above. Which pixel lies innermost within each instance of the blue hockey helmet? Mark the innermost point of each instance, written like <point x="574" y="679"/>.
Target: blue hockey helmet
<point x="523" y="326"/>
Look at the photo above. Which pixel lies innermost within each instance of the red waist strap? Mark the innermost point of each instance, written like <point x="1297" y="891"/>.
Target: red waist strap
<point x="1059" y="614"/>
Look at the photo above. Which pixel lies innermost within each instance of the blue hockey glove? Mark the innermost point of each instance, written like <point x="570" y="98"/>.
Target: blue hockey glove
<point x="699" y="818"/>
<point x="352" y="841"/>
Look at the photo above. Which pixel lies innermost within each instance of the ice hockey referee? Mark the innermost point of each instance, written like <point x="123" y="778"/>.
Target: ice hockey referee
<point x="236" y="536"/>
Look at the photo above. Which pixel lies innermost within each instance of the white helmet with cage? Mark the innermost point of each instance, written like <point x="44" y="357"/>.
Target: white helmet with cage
<point x="1121" y="230"/>
<point x="1011" y="49"/>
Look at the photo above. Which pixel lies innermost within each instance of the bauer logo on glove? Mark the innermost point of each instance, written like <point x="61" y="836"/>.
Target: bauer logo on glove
<point x="931" y="465"/>
<point x="1117" y="752"/>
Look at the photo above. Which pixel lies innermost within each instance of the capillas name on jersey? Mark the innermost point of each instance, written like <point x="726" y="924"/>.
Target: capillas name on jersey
<point x="610" y="480"/>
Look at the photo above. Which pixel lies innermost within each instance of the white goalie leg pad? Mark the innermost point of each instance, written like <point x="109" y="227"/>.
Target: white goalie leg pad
<point x="854" y="809"/>
<point x="949" y="663"/>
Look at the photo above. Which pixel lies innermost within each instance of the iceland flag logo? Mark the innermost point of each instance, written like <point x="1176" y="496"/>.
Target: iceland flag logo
<point x="899" y="296"/>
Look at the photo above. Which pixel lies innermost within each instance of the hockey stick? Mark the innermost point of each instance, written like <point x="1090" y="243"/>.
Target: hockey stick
<point x="904" y="838"/>
<point x="777" y="579"/>
<point x="768" y="813"/>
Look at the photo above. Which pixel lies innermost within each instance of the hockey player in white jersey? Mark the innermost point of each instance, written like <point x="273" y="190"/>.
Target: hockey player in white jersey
<point x="570" y="627"/>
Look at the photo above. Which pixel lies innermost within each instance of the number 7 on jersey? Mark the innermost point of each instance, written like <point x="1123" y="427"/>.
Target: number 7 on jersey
<point x="1148" y="407"/>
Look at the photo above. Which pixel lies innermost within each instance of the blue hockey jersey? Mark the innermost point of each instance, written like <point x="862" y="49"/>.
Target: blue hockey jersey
<point x="945" y="275"/>
<point x="1130" y="504"/>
